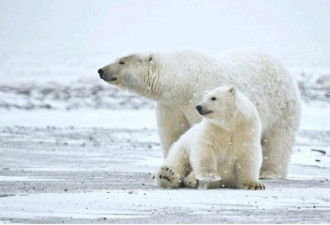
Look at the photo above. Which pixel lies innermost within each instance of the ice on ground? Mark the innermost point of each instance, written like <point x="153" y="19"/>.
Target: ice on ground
<point x="129" y="119"/>
<point x="315" y="116"/>
<point x="74" y="174"/>
<point x="140" y="206"/>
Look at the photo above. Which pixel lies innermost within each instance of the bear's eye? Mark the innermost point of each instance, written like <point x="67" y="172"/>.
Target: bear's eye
<point x="213" y="98"/>
<point x="121" y="62"/>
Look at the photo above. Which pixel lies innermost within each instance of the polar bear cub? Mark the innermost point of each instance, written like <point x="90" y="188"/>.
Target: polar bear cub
<point x="223" y="150"/>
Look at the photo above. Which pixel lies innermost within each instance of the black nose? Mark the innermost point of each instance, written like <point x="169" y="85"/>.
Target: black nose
<point x="101" y="72"/>
<point x="199" y="108"/>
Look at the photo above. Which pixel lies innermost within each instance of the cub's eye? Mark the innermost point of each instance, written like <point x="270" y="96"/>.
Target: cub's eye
<point x="121" y="62"/>
<point x="213" y="98"/>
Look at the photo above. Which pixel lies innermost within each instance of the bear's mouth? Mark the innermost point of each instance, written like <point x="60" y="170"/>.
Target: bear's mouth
<point x="109" y="79"/>
<point x="106" y="77"/>
<point x="205" y="112"/>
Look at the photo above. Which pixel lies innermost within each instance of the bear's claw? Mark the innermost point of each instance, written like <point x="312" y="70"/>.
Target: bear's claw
<point x="253" y="185"/>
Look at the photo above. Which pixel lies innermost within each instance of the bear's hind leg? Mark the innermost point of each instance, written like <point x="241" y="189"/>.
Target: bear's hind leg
<point x="277" y="145"/>
<point x="175" y="167"/>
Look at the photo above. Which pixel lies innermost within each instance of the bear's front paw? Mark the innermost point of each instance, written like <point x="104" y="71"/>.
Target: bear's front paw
<point x="208" y="182"/>
<point x="190" y="181"/>
<point x="253" y="185"/>
<point x="167" y="177"/>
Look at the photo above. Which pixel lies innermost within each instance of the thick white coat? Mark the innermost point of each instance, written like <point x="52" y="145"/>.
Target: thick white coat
<point x="177" y="80"/>
<point x="225" y="144"/>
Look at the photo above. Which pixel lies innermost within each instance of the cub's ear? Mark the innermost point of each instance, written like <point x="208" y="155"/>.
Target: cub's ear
<point x="232" y="90"/>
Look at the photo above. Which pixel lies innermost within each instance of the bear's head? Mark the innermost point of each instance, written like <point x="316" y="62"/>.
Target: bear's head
<point x="133" y="72"/>
<point x="219" y="106"/>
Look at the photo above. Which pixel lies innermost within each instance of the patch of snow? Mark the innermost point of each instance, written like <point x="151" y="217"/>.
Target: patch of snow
<point x="139" y="203"/>
<point x="21" y="178"/>
<point x="315" y="116"/>
<point x="129" y="119"/>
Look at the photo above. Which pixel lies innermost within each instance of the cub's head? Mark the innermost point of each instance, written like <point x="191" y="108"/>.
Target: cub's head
<point x="131" y="72"/>
<point x="219" y="106"/>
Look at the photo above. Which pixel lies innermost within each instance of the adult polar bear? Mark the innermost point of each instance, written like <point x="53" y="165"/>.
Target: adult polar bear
<point x="177" y="80"/>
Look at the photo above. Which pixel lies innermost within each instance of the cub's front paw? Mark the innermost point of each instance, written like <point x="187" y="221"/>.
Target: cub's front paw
<point x="253" y="185"/>
<point x="190" y="181"/>
<point x="209" y="182"/>
<point x="167" y="177"/>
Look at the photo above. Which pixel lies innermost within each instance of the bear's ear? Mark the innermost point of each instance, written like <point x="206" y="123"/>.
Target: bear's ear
<point x="205" y="92"/>
<point x="150" y="59"/>
<point x="232" y="90"/>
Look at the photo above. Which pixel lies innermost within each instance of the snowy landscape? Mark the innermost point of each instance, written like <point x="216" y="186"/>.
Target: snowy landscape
<point x="74" y="149"/>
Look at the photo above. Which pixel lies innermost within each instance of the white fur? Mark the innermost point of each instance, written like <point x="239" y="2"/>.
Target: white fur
<point x="225" y="144"/>
<point x="178" y="79"/>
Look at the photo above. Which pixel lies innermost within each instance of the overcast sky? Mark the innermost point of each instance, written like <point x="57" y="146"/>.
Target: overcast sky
<point x="134" y="25"/>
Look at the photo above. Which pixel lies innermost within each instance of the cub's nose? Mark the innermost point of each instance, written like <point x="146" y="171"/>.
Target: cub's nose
<point x="101" y="72"/>
<point x="199" y="108"/>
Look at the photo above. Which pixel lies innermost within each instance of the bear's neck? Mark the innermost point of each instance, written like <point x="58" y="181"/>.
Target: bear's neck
<point x="177" y="78"/>
<point x="158" y="89"/>
<point x="211" y="126"/>
<point x="164" y="83"/>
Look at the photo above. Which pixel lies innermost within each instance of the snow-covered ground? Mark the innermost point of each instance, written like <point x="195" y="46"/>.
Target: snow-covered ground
<point x="83" y="174"/>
